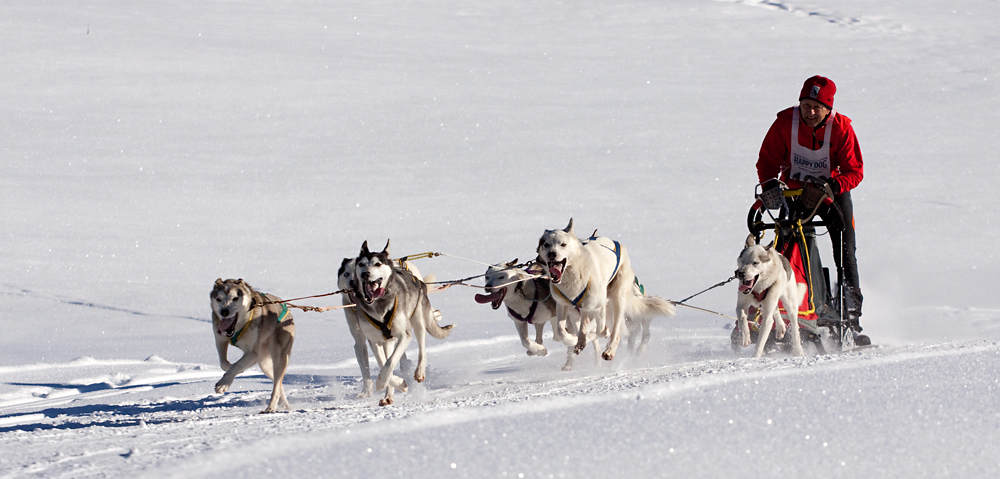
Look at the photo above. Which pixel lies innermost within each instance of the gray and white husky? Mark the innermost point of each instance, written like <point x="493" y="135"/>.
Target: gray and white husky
<point x="766" y="277"/>
<point x="596" y="278"/>
<point x="345" y="283"/>
<point x="392" y="309"/>
<point x="263" y="330"/>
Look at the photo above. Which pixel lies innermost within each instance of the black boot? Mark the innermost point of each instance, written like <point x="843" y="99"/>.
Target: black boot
<point x="853" y="299"/>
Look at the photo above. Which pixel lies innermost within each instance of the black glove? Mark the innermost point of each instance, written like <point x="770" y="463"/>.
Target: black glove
<point x="834" y="186"/>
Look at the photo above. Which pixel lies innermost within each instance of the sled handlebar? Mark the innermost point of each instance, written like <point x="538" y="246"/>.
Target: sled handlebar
<point x="757" y="225"/>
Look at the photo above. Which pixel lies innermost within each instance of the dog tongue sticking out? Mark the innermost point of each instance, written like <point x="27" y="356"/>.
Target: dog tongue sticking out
<point x="496" y="298"/>
<point x="747" y="285"/>
<point x="373" y="290"/>
<point x="227" y="326"/>
<point x="556" y="271"/>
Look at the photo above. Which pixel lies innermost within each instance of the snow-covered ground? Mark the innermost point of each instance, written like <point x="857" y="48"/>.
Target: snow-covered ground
<point x="152" y="147"/>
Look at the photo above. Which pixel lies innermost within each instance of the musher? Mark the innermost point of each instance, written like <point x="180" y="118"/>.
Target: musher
<point x="814" y="139"/>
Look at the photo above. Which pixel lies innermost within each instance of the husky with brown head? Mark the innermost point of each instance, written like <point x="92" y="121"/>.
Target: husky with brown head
<point x="260" y="327"/>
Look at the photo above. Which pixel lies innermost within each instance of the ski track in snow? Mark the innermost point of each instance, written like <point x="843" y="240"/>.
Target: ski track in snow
<point x="27" y="293"/>
<point x="836" y="18"/>
<point x="79" y="421"/>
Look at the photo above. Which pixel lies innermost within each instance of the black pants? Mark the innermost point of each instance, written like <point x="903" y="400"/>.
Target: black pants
<point x="849" y="260"/>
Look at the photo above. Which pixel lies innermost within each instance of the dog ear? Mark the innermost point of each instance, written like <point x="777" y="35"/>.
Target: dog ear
<point x="364" y="248"/>
<point x="751" y="240"/>
<point x="219" y="282"/>
<point x="386" y="249"/>
<point x="569" y="227"/>
<point x="512" y="263"/>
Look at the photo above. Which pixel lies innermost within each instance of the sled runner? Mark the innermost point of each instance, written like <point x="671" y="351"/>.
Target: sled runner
<point x="794" y="216"/>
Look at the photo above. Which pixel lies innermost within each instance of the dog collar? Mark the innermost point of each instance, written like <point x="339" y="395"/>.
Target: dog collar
<point x="236" y="337"/>
<point x="761" y="295"/>
<point x="386" y="324"/>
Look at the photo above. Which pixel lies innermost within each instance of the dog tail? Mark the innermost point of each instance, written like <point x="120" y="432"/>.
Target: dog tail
<point x="800" y="291"/>
<point x="430" y="278"/>
<point x="641" y="307"/>
<point x="648" y="307"/>
<point x="435" y="329"/>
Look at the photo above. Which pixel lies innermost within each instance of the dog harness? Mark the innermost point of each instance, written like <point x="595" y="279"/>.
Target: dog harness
<point x="618" y="261"/>
<point x="236" y="337"/>
<point x="386" y="324"/>
<point x="531" y="311"/>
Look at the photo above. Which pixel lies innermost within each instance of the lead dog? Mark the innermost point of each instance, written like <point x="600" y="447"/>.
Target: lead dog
<point x="766" y="278"/>
<point x="596" y="278"/>
<point x="392" y="309"/>
<point x="255" y="324"/>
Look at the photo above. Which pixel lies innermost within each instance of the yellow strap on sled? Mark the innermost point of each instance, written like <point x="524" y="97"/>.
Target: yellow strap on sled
<point x="809" y="271"/>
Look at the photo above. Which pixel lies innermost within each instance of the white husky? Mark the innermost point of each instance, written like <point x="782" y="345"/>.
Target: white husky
<point x="765" y="278"/>
<point x="596" y="278"/>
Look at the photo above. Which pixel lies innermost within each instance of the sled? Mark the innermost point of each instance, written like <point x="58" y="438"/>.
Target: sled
<point x="794" y="215"/>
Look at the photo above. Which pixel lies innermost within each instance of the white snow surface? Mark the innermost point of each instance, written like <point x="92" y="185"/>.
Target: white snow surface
<point x="152" y="147"/>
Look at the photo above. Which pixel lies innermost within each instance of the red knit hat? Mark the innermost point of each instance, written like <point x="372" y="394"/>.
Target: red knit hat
<point x="820" y="89"/>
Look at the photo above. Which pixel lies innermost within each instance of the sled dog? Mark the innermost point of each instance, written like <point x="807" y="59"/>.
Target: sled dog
<point x="528" y="300"/>
<point x="264" y="331"/>
<point x="345" y="283"/>
<point x="595" y="277"/>
<point x="392" y="309"/>
<point x="766" y="277"/>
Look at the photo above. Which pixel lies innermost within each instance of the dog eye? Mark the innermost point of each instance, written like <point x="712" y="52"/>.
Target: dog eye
<point x="563" y="245"/>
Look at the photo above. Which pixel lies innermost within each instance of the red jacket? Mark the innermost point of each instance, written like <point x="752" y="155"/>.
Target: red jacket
<point x="845" y="154"/>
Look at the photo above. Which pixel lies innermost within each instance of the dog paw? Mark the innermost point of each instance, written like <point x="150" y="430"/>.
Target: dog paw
<point x="269" y="410"/>
<point x="222" y="386"/>
<point x="385" y="402"/>
<point x="745" y="337"/>
<point x="539" y="351"/>
<point x="608" y="356"/>
<point x="419" y="376"/>
<point x="367" y="390"/>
